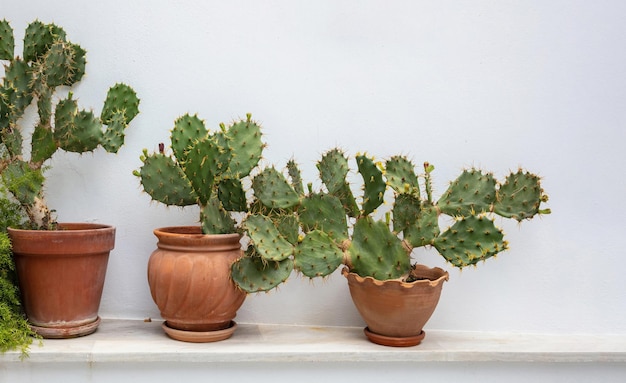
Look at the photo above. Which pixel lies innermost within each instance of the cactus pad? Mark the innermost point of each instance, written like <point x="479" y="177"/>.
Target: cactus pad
<point x="373" y="184"/>
<point x="473" y="192"/>
<point x="215" y="219"/>
<point x="295" y="176"/>
<point x="246" y="145"/>
<point x="272" y="189"/>
<point x="520" y="196"/>
<point x="253" y="274"/>
<point x="121" y="98"/>
<point x="200" y="167"/>
<point x="113" y="137"/>
<point x="401" y="177"/>
<point x="165" y="181"/>
<point x="187" y="130"/>
<point x="43" y="144"/>
<point x="324" y="212"/>
<point x="317" y="255"/>
<point x="424" y="231"/>
<point x="7" y="41"/>
<point x="266" y="239"/>
<point x="333" y="169"/>
<point x="470" y="240"/>
<point x="375" y="251"/>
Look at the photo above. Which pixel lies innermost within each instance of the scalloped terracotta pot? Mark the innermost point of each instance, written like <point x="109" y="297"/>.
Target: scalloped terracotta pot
<point x="395" y="311"/>
<point x="189" y="278"/>
<point x="61" y="276"/>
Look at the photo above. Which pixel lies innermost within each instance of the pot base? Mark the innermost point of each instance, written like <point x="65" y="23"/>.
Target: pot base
<point x="199" y="336"/>
<point x="394" y="341"/>
<point x="66" y="332"/>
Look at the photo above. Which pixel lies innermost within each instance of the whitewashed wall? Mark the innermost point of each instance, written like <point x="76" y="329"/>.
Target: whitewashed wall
<point x="496" y="84"/>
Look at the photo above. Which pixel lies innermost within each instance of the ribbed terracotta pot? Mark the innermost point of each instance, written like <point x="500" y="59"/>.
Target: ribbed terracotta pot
<point x="189" y="278"/>
<point x="396" y="311"/>
<point x="61" y="276"/>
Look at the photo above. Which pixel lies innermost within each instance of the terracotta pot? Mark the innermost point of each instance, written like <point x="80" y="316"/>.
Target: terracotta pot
<point x="61" y="276"/>
<point x="189" y="277"/>
<point x="396" y="311"/>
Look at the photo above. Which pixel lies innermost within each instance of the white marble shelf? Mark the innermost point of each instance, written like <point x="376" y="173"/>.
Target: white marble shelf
<point x="134" y="341"/>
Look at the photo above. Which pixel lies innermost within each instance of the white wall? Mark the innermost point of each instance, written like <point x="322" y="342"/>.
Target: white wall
<point x="495" y="84"/>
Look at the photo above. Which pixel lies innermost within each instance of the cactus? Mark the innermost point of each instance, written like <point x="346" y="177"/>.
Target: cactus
<point x="335" y="229"/>
<point x="205" y="168"/>
<point x="50" y="61"/>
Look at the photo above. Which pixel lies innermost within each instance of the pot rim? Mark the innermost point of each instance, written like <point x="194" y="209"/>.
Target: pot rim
<point x="68" y="227"/>
<point x="445" y="276"/>
<point x="192" y="231"/>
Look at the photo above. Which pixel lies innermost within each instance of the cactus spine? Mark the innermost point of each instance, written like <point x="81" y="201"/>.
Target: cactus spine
<point x="50" y="61"/>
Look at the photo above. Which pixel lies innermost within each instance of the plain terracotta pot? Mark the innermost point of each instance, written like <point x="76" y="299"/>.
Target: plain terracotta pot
<point x="189" y="278"/>
<point x="61" y="276"/>
<point x="396" y="311"/>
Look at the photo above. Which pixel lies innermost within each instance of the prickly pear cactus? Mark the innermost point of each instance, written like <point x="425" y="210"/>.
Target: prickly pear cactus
<point x="317" y="231"/>
<point x="49" y="61"/>
<point x="205" y="168"/>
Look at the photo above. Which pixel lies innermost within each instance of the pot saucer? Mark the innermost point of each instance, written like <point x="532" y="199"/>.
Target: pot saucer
<point x="66" y="332"/>
<point x="200" y="336"/>
<point x="394" y="341"/>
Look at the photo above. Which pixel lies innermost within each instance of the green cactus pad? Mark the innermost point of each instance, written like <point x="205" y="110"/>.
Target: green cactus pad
<point x="272" y="189"/>
<point x="253" y="274"/>
<point x="18" y="76"/>
<point x="12" y="140"/>
<point x="375" y="251"/>
<point x="317" y="255"/>
<point x="470" y="240"/>
<point x="224" y="154"/>
<point x="57" y="64"/>
<point x="22" y="181"/>
<point x="187" y="130"/>
<point x="231" y="194"/>
<point x="5" y="94"/>
<point x="120" y="98"/>
<point x="64" y="114"/>
<point x="520" y="196"/>
<point x="78" y="64"/>
<point x="215" y="219"/>
<point x="200" y="167"/>
<point x="288" y="227"/>
<point x="165" y="181"/>
<point x="7" y="41"/>
<point x="113" y="137"/>
<point x="44" y="106"/>
<point x="471" y="193"/>
<point x="295" y="176"/>
<point x="333" y="169"/>
<point x="324" y="212"/>
<point x="246" y="145"/>
<point x="266" y="239"/>
<point x="43" y="144"/>
<point x="373" y="184"/>
<point x="38" y="39"/>
<point x="424" y="231"/>
<point x="401" y="177"/>
<point x="348" y="201"/>
<point x="83" y="135"/>
<point x="405" y="212"/>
